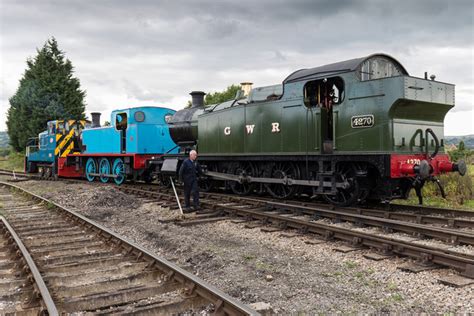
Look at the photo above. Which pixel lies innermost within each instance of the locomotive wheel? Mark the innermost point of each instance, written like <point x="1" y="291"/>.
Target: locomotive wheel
<point x="118" y="170"/>
<point x="41" y="172"/>
<point x="281" y="170"/>
<point x="91" y="167"/>
<point x="205" y="184"/>
<point x="147" y="177"/>
<point x="242" y="169"/>
<point x="104" y="168"/>
<point x="260" y="189"/>
<point x="165" y="181"/>
<point x="347" y="196"/>
<point x="48" y="173"/>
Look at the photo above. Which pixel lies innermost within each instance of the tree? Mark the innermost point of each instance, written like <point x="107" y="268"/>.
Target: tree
<point x="218" y="97"/>
<point x="47" y="91"/>
<point x="461" y="152"/>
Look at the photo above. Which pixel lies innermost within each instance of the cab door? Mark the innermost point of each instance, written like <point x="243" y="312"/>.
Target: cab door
<point x="321" y="97"/>
<point x="121" y="124"/>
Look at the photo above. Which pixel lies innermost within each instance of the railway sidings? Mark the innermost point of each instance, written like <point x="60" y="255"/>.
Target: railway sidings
<point x="238" y="254"/>
<point x="305" y="219"/>
<point x="79" y="266"/>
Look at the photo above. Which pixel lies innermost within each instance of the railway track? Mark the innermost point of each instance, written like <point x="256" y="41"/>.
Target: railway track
<point x="421" y="224"/>
<point x="88" y="268"/>
<point x="418" y="220"/>
<point x="421" y="214"/>
<point x="426" y="210"/>
<point x="451" y="218"/>
<point x="22" y="289"/>
<point x="19" y="175"/>
<point x="305" y="219"/>
<point x="443" y="227"/>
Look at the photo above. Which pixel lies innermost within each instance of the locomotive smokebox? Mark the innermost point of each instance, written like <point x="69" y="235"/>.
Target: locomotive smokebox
<point x="183" y="124"/>
<point x="95" y="119"/>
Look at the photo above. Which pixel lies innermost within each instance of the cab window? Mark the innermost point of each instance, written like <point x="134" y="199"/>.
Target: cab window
<point x="121" y="121"/>
<point x="51" y="129"/>
<point x="61" y="128"/>
<point x="324" y="92"/>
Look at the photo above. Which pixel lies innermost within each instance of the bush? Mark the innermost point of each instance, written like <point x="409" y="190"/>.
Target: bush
<point x="458" y="189"/>
<point x="460" y="153"/>
<point x="14" y="161"/>
<point x="4" y="152"/>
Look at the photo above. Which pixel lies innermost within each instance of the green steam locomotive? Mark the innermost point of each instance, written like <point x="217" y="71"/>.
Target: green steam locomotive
<point x="349" y="131"/>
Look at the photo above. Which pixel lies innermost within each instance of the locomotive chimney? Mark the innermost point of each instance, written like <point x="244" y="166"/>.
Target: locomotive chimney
<point x="95" y="119"/>
<point x="246" y="88"/>
<point x="198" y="99"/>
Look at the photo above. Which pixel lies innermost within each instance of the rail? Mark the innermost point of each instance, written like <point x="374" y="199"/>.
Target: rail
<point x="41" y="285"/>
<point x="222" y="302"/>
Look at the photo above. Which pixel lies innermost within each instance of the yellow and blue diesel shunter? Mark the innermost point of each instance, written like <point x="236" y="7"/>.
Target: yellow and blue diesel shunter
<point x="60" y="139"/>
<point x="118" y="151"/>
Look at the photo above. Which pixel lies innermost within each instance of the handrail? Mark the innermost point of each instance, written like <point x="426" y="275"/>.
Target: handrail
<point x="430" y="131"/>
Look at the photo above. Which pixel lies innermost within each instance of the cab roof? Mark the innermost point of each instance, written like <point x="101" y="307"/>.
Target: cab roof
<point x="339" y="67"/>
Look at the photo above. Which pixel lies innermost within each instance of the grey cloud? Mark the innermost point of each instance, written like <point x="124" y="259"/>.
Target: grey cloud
<point x="142" y="94"/>
<point x="279" y="56"/>
<point x="155" y="50"/>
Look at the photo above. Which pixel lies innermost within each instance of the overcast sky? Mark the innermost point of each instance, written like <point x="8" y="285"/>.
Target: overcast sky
<point x="134" y="53"/>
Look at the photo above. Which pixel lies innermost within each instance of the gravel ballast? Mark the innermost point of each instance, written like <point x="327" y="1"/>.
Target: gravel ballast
<point x="291" y="274"/>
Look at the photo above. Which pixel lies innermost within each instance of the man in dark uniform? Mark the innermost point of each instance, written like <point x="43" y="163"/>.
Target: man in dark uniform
<point x="188" y="174"/>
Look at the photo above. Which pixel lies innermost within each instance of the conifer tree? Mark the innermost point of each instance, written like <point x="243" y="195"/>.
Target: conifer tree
<point x="219" y="97"/>
<point x="47" y="91"/>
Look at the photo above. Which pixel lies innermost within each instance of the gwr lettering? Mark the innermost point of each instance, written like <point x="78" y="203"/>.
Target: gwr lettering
<point x="275" y="127"/>
<point x="250" y="128"/>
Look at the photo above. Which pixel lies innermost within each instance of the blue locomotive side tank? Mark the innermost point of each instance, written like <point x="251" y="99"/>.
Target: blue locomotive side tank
<point x="141" y="130"/>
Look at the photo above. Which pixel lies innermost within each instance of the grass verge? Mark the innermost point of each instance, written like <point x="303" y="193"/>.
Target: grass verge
<point x="14" y="161"/>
